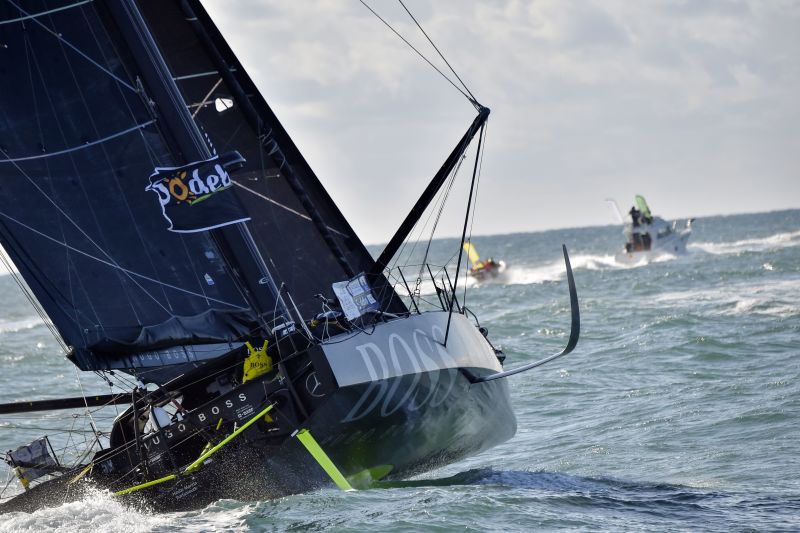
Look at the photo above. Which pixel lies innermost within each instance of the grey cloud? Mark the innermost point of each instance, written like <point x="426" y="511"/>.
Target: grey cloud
<point x="589" y="100"/>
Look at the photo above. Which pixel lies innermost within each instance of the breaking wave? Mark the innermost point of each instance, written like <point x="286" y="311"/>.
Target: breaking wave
<point x="529" y="275"/>
<point x="13" y="326"/>
<point x="99" y="511"/>
<point x="555" y="270"/>
<point x="772" y="298"/>
<point x="773" y="242"/>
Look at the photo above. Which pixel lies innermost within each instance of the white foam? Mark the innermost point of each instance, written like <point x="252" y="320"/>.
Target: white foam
<point x="767" y="297"/>
<point x="555" y="270"/>
<point x="13" y="326"/>
<point x="426" y="287"/>
<point x="530" y="275"/>
<point x="99" y="511"/>
<point x="773" y="242"/>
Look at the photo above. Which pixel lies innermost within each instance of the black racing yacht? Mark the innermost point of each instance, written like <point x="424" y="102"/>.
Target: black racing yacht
<point x="182" y="250"/>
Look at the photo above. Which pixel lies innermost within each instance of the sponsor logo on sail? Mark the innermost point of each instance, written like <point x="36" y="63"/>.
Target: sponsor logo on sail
<point x="192" y="198"/>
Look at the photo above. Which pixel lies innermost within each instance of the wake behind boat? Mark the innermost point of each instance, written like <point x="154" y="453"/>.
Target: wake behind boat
<point x="258" y="348"/>
<point x="649" y="237"/>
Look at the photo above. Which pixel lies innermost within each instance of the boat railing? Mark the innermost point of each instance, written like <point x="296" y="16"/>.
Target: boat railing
<point x="426" y="287"/>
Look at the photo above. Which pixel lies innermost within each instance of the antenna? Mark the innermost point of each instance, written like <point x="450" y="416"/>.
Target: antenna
<point x="612" y="204"/>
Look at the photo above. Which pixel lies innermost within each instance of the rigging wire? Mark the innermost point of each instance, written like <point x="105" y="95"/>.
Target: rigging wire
<point x="73" y="47"/>
<point x="82" y="231"/>
<point x="33" y="301"/>
<point x="440" y="200"/>
<point x="474" y="100"/>
<point x="129" y="273"/>
<point x="206" y="98"/>
<point x="463" y="235"/>
<point x="91" y="121"/>
<point x="42" y="13"/>
<point x="436" y="220"/>
<point x="8" y="482"/>
<point x="83" y="394"/>
<point x="97" y="31"/>
<point x="475" y="203"/>
<point x="420" y="54"/>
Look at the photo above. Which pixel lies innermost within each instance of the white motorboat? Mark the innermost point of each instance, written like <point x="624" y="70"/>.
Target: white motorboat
<point x="648" y="237"/>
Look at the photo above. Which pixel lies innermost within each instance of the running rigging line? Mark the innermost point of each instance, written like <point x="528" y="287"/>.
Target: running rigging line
<point x="446" y="62"/>
<point x="76" y="148"/>
<point x="42" y="13"/>
<point x="479" y="155"/>
<point x="58" y="36"/>
<point x="469" y="96"/>
<point x="113" y="264"/>
<point x="482" y="150"/>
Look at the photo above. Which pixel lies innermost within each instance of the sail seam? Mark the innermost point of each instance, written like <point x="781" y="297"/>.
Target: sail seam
<point x="74" y="48"/>
<point x="77" y="148"/>
<point x="109" y="263"/>
<point x="48" y="12"/>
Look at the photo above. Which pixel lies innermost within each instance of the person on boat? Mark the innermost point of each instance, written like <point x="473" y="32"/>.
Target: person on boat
<point x="635" y="215"/>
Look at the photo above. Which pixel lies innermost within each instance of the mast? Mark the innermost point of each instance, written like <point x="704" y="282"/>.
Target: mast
<point x="429" y="192"/>
<point x="186" y="135"/>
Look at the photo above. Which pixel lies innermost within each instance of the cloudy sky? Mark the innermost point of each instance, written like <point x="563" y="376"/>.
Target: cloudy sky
<point x="693" y="103"/>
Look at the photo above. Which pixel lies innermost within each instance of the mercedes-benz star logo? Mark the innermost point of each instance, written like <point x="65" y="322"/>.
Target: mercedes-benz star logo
<point x="313" y="384"/>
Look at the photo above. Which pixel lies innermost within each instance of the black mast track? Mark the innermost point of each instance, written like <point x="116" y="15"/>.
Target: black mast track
<point x="268" y="141"/>
<point x="430" y="191"/>
<point x="77" y="402"/>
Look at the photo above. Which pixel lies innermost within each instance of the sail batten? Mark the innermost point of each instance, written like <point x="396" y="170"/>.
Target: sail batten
<point x="79" y="147"/>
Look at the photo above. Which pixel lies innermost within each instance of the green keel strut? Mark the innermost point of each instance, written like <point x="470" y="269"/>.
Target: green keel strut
<point x="322" y="458"/>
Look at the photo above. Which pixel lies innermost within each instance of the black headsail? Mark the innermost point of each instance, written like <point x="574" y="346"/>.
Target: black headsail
<point x="309" y="242"/>
<point x="80" y="135"/>
<point x="112" y="107"/>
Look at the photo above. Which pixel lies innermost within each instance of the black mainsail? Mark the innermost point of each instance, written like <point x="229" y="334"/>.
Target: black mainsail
<point x="77" y="135"/>
<point x="91" y="118"/>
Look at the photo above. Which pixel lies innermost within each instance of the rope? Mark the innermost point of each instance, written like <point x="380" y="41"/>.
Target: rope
<point x="128" y="272"/>
<point x="205" y="98"/>
<point x="73" y="47"/>
<point x="442" y="74"/>
<point x="42" y="13"/>
<point x="474" y="100"/>
<point x="33" y="301"/>
<point x="475" y="204"/>
<point x="463" y="235"/>
<point x="286" y="207"/>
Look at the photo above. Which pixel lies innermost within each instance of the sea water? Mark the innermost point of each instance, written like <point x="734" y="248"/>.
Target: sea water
<point x="678" y="410"/>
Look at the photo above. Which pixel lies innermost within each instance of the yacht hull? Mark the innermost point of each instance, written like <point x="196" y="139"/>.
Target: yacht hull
<point x="384" y="404"/>
<point x="673" y="245"/>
